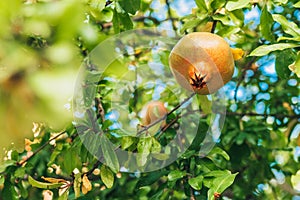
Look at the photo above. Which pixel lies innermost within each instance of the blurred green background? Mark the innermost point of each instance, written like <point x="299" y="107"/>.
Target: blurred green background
<point x="38" y="65"/>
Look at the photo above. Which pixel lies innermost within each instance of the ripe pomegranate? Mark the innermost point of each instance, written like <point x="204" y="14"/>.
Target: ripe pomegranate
<point x="202" y="62"/>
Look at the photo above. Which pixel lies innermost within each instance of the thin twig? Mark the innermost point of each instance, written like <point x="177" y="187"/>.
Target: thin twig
<point x="95" y="166"/>
<point x="170" y="15"/>
<point x="242" y="77"/>
<point x="107" y="3"/>
<point x="108" y="25"/>
<point x="39" y="149"/>
<point x="100" y="109"/>
<point x="164" y="128"/>
<point x="252" y="114"/>
<point x="192" y="196"/>
<point x="277" y="115"/>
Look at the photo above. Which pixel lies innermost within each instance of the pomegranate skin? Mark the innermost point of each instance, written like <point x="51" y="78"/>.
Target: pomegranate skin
<point x="204" y="56"/>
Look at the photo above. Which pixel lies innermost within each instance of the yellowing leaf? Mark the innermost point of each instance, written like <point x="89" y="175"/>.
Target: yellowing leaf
<point x="86" y="184"/>
<point x="54" y="180"/>
<point x="205" y="28"/>
<point x="77" y="182"/>
<point x="237" y="53"/>
<point x="42" y="185"/>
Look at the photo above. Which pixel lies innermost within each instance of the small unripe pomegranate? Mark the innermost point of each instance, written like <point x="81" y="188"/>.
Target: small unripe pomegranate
<point x="155" y="110"/>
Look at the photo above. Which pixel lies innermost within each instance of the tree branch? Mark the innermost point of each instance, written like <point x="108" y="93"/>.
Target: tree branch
<point x="170" y="15"/>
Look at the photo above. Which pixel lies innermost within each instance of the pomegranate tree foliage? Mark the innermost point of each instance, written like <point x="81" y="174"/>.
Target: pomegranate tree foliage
<point x="257" y="154"/>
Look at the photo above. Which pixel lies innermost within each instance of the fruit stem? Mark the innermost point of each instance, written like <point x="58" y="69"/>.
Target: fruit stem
<point x="213" y="26"/>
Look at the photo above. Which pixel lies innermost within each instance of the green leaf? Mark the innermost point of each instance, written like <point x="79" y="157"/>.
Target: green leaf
<point x="2" y="179"/>
<point x="222" y="18"/>
<point x="107" y="176"/>
<point x="201" y="4"/>
<point x="126" y="21"/>
<point x="9" y="191"/>
<point x="55" y="153"/>
<point x="216" y="4"/>
<point x="116" y="22"/>
<point x="175" y="175"/>
<point x="266" y="23"/>
<point x="187" y="154"/>
<point x="70" y="160"/>
<point x="23" y="190"/>
<point x="88" y="92"/>
<point x="76" y="184"/>
<point x="297" y="39"/>
<point x="20" y="172"/>
<point x="106" y="124"/>
<point x="205" y="104"/>
<point x="98" y="4"/>
<point x="6" y="164"/>
<point x="237" y="16"/>
<point x="219" y="184"/>
<point x="91" y="119"/>
<point x="192" y="23"/>
<point x="283" y="60"/>
<point x="106" y="15"/>
<point x="91" y="141"/>
<point x="144" y="148"/>
<point x="288" y="27"/>
<point x="92" y="77"/>
<point x="297" y="5"/>
<point x="217" y="173"/>
<point x="266" y="49"/>
<point x="127" y="141"/>
<point x="156" y="146"/>
<point x="234" y="5"/>
<point x="281" y="1"/>
<point x="151" y="178"/>
<point x="219" y="151"/>
<point x="130" y="6"/>
<point x="295" y="66"/>
<point x="196" y="182"/>
<point x="157" y="195"/>
<point x="110" y="156"/>
<point x="43" y="185"/>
